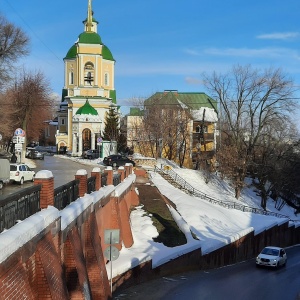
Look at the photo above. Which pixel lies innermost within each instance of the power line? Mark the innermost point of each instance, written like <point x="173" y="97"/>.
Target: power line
<point x="46" y="46"/>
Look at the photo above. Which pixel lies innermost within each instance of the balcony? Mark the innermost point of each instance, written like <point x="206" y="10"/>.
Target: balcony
<point x="207" y="136"/>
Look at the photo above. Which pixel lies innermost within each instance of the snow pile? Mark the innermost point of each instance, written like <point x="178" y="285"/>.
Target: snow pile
<point x="74" y="209"/>
<point x="24" y="231"/>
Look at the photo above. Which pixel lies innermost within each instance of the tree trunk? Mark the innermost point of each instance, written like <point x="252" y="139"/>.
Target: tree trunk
<point x="237" y="192"/>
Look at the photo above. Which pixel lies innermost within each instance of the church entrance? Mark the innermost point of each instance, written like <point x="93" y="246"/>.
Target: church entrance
<point x="86" y="139"/>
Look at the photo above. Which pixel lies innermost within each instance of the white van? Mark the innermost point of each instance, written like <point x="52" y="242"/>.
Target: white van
<point x="4" y="172"/>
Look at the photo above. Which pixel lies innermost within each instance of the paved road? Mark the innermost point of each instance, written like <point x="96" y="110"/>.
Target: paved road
<point x="63" y="170"/>
<point x="240" y="281"/>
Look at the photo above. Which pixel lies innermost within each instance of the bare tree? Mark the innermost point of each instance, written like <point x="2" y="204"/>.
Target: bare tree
<point x="13" y="45"/>
<point x="167" y="127"/>
<point x="250" y="100"/>
<point x="28" y="104"/>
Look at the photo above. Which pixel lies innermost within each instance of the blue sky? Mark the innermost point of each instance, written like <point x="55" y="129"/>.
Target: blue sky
<point x="161" y="44"/>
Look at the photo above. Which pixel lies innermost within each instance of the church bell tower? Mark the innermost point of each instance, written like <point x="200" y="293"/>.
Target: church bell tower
<point x="88" y="91"/>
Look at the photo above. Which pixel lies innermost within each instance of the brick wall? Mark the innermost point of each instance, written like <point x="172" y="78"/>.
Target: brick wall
<point x="64" y="260"/>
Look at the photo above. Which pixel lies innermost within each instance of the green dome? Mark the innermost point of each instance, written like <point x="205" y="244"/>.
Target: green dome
<point x="72" y="52"/>
<point x="89" y="38"/>
<point x="106" y="54"/>
<point x="87" y="109"/>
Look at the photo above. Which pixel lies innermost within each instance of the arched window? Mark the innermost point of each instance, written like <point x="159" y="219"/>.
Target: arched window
<point x="88" y="73"/>
<point x="71" y="78"/>
<point x="86" y="139"/>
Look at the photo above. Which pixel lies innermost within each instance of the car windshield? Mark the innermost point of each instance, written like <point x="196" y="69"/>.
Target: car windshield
<point x="270" y="251"/>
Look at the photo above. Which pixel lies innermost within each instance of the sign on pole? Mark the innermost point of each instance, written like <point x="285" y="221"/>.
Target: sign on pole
<point x="111" y="236"/>
<point x="19" y="132"/>
<point x="18" y="139"/>
<point x="18" y="147"/>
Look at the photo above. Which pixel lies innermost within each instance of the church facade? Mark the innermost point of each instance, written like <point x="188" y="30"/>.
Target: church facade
<point x="88" y="91"/>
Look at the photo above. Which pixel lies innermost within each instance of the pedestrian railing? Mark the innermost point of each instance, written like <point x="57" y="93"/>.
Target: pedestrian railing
<point x="116" y="179"/>
<point x="19" y="206"/>
<point x="91" y="184"/>
<point x="227" y="204"/>
<point x="65" y="194"/>
<point x="103" y="179"/>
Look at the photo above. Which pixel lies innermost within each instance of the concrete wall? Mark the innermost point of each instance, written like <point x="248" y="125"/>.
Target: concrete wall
<point x="244" y="248"/>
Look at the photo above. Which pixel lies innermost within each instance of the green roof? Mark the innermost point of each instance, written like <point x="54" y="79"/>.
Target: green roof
<point x="113" y="96"/>
<point x="192" y="100"/>
<point x="72" y="52"/>
<point x="135" y="111"/>
<point x="87" y="109"/>
<point x="64" y="94"/>
<point x="106" y="54"/>
<point x="89" y="38"/>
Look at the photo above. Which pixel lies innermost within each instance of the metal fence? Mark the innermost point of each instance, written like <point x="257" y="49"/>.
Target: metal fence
<point x="91" y="184"/>
<point x="65" y="194"/>
<point x="23" y="204"/>
<point x="227" y="204"/>
<point x="116" y="179"/>
<point x="103" y="179"/>
<point x="19" y="206"/>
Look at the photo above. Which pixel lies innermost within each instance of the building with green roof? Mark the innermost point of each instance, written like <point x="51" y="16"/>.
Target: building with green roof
<point x="88" y="90"/>
<point x="177" y="126"/>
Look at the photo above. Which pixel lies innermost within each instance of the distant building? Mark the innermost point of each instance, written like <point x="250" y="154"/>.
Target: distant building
<point x="88" y="91"/>
<point x="49" y="133"/>
<point x="189" y="130"/>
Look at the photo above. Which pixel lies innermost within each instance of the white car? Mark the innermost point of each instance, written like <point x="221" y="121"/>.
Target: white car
<point x="271" y="257"/>
<point x="20" y="173"/>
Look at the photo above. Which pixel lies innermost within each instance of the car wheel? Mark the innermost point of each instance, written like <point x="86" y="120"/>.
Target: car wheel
<point x="1" y="185"/>
<point x="22" y="180"/>
<point x="284" y="264"/>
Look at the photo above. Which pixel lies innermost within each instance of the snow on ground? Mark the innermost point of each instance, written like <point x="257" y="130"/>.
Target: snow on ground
<point x="213" y="225"/>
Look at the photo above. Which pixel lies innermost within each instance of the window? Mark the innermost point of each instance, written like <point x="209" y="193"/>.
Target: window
<point x="106" y="79"/>
<point x="71" y="78"/>
<point x="198" y="129"/>
<point x="88" y="73"/>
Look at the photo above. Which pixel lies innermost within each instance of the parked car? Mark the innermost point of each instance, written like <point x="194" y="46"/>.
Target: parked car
<point x="271" y="257"/>
<point x="4" y="172"/>
<point x="91" y="154"/>
<point x="47" y="150"/>
<point x="34" y="154"/>
<point x="20" y="173"/>
<point x="117" y="160"/>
